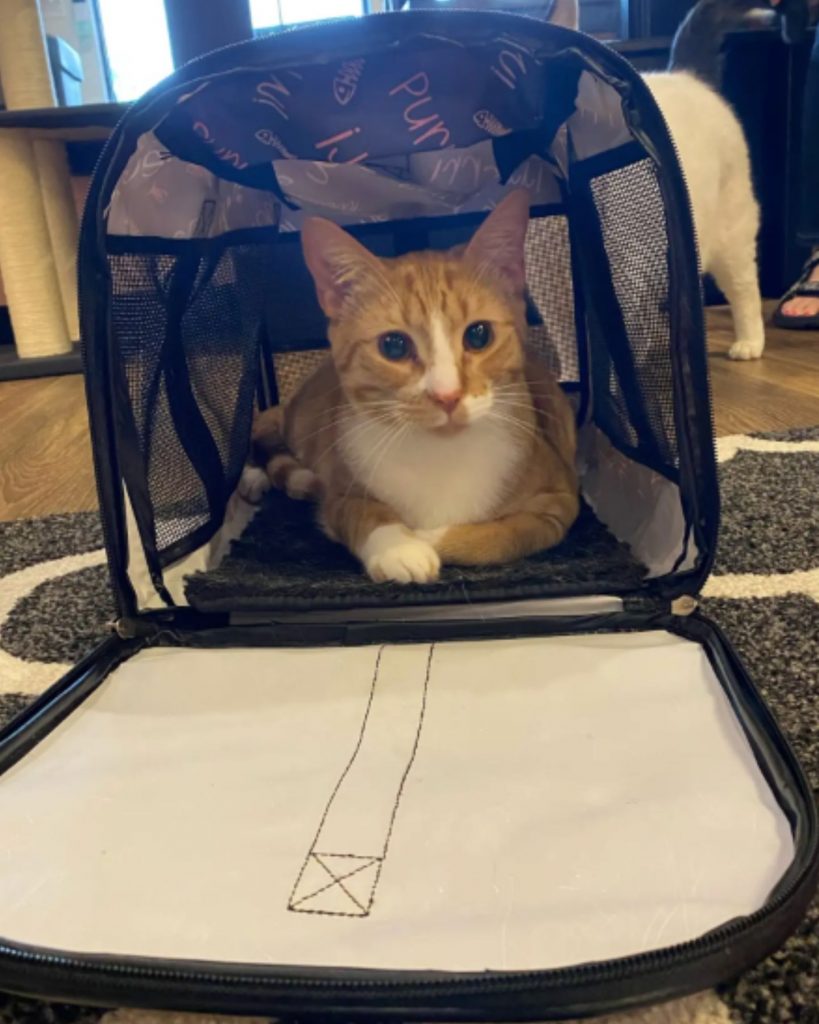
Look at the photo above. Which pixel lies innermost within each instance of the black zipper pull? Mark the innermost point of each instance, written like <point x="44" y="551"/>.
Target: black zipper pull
<point x="130" y="628"/>
<point x="684" y="605"/>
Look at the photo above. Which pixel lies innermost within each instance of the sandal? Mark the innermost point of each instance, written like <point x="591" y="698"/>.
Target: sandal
<point x="805" y="288"/>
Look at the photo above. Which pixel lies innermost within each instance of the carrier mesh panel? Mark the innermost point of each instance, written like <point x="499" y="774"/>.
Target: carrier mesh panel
<point x="632" y="217"/>
<point x="292" y="367"/>
<point x="549" y="279"/>
<point x="180" y="505"/>
<point x="210" y="307"/>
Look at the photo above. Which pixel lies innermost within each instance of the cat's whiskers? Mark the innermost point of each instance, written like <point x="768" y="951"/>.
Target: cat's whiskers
<point x="383" y="446"/>
<point x="347" y="408"/>
<point x="356" y="431"/>
<point x="380" y="452"/>
<point x="512" y="391"/>
<point x="526" y="429"/>
<point x="519" y="412"/>
<point x="331" y="425"/>
<point x="515" y="405"/>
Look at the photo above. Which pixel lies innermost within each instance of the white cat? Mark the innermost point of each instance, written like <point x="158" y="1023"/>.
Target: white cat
<point x="715" y="161"/>
<point x="714" y="157"/>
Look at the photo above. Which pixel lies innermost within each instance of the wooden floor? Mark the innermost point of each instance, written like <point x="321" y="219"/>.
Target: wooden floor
<point x="45" y="459"/>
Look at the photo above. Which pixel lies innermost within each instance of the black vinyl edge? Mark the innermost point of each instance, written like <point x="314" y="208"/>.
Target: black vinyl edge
<point x="330" y="993"/>
<point x="365" y="35"/>
<point x="455" y="593"/>
<point x="101" y="386"/>
<point x="55" y="704"/>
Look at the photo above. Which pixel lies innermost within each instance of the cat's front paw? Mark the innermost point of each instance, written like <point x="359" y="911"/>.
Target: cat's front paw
<point x="393" y="554"/>
<point x="746" y="349"/>
<point x="253" y="484"/>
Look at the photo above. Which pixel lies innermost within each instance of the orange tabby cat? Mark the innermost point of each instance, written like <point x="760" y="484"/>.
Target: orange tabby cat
<point x="427" y="436"/>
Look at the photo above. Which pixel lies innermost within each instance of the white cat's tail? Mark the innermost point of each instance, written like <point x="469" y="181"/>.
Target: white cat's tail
<point x="697" y="45"/>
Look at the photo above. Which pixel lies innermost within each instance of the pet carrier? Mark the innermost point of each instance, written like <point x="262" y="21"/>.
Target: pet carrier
<point x="544" y="789"/>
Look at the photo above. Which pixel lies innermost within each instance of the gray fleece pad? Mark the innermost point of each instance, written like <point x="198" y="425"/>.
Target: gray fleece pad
<point x="283" y="562"/>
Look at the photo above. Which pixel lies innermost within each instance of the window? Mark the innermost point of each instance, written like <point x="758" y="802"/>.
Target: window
<point x="139" y="50"/>
<point x="136" y="44"/>
<point x="267" y="14"/>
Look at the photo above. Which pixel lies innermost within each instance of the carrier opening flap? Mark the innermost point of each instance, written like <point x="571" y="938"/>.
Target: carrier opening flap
<point x="430" y="124"/>
<point x="426" y="93"/>
<point x="501" y="805"/>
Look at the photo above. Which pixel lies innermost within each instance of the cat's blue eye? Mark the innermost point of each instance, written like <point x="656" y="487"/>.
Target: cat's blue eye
<point x="477" y="336"/>
<point x="395" y="346"/>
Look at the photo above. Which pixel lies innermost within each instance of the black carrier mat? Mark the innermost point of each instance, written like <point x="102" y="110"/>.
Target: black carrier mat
<point x="283" y="562"/>
<point x="542" y="790"/>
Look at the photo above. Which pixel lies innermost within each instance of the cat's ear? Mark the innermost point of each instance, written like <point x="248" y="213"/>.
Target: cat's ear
<point x="336" y="261"/>
<point x="497" y="246"/>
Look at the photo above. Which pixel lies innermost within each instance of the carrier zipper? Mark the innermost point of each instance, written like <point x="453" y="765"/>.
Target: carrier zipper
<point x="708" y="383"/>
<point x="111" y="537"/>
<point x="649" y="148"/>
<point x="129" y="628"/>
<point x="487" y="983"/>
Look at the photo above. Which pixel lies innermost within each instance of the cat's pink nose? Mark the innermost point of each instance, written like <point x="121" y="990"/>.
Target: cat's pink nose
<point x="447" y="400"/>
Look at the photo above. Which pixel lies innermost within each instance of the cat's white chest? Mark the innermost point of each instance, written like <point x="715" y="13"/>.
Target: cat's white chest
<point x="431" y="480"/>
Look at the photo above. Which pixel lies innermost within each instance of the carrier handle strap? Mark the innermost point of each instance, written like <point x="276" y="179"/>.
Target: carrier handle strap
<point x="189" y="423"/>
<point x="606" y="320"/>
<point x="136" y="482"/>
<point x="267" y="387"/>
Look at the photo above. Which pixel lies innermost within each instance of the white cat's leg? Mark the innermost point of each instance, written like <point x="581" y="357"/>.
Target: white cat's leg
<point x="732" y="261"/>
<point x="394" y="553"/>
<point x="735" y="272"/>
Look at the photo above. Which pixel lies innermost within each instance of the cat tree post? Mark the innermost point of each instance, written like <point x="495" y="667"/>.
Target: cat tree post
<point x="38" y="219"/>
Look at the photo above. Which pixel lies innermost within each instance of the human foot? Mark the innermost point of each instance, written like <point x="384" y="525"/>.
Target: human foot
<point x="805" y="304"/>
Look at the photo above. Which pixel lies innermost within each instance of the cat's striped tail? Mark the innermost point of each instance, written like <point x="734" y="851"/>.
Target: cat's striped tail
<point x="697" y="45"/>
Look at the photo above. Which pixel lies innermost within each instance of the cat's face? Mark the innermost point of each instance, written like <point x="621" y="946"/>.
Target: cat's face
<point x="431" y="338"/>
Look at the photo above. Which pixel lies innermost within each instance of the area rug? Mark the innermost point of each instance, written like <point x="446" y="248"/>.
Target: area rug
<point x="55" y="604"/>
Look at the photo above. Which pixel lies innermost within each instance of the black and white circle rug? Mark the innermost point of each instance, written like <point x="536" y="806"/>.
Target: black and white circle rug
<point x="55" y="604"/>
